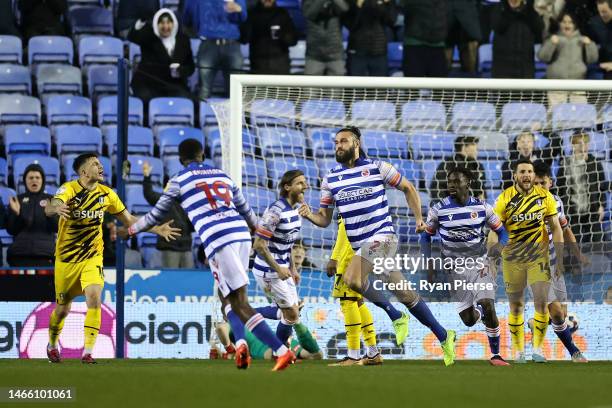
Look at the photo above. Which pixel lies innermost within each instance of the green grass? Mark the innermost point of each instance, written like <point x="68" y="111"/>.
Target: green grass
<point x="206" y="383"/>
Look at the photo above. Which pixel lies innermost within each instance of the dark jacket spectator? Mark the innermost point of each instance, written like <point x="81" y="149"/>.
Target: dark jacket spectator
<point x="368" y="22"/>
<point x="42" y="17"/>
<point x="600" y="30"/>
<point x="425" y="32"/>
<point x="466" y="151"/>
<point x="270" y="32"/>
<point x="34" y="232"/>
<point x="324" y="51"/>
<point x="581" y="184"/>
<point x="166" y="61"/>
<point x="177" y="253"/>
<point x="8" y="24"/>
<point x="518" y="27"/>
<point x="523" y="148"/>
<point x="128" y="12"/>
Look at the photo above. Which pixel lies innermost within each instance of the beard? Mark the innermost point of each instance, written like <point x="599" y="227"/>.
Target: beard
<point x="345" y="157"/>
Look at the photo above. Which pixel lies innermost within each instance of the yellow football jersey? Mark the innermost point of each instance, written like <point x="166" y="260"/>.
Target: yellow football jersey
<point x="524" y="219"/>
<point x="80" y="237"/>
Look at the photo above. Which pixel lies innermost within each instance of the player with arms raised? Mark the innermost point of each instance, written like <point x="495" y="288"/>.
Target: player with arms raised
<point x="357" y="188"/>
<point x="81" y="205"/>
<point x="460" y="219"/>
<point x="222" y="217"/>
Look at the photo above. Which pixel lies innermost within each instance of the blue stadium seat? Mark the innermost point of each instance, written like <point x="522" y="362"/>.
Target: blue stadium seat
<point x="322" y="112"/>
<point x="78" y="139"/>
<point x="55" y="79"/>
<point x="68" y="110"/>
<point x="473" y="116"/>
<point x="493" y="146"/>
<point x="49" y="164"/>
<point x="254" y="171"/>
<point x="19" y="109"/>
<point x="157" y="171"/>
<point x="171" y="4"/>
<point x="4" y="173"/>
<point x="99" y="50"/>
<point x="5" y="194"/>
<point x="317" y="237"/>
<point x="91" y="3"/>
<point x="312" y="197"/>
<point x="432" y="144"/>
<point x="493" y="173"/>
<point x="322" y="141"/>
<point x="396" y="201"/>
<point x="277" y="166"/>
<point x="373" y="114"/>
<point x="518" y="116"/>
<point x="140" y="140"/>
<point x="91" y="20"/>
<point x="15" y="79"/>
<point x="395" y="56"/>
<point x="429" y="170"/>
<point x="259" y="198"/>
<point x="69" y="174"/>
<point x="249" y="142"/>
<point x="492" y="196"/>
<point x="598" y="144"/>
<point x="27" y="139"/>
<point x="281" y="140"/>
<point x="207" y="114"/>
<point x="102" y="80"/>
<point x="606" y="117"/>
<point x="272" y="112"/>
<point x="10" y="50"/>
<point x="567" y="116"/>
<point x="107" y="111"/>
<point x="485" y="60"/>
<point x="297" y="55"/>
<point x="172" y="165"/>
<point x="170" y="138"/>
<point x="170" y="112"/>
<point x="135" y="200"/>
<point x="418" y="115"/>
<point x="410" y="169"/>
<point x="383" y="144"/>
<point x="50" y="49"/>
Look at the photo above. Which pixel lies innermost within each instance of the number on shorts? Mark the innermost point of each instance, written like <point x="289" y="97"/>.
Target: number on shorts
<point x="338" y="279"/>
<point x="221" y="193"/>
<point x="100" y="271"/>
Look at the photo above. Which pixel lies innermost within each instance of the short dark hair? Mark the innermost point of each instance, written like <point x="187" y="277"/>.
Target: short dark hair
<point x="287" y="178"/>
<point x="81" y="159"/>
<point x="522" y="160"/>
<point x="190" y="150"/>
<point x="462" y="141"/>
<point x="467" y="173"/>
<point x="542" y="169"/>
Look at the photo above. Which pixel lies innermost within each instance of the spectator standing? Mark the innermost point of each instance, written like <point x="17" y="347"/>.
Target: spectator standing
<point x="175" y="254"/>
<point x="600" y="29"/>
<point x="524" y="149"/>
<point x="425" y="31"/>
<point x="128" y="12"/>
<point x="42" y="17"/>
<point x="550" y="11"/>
<point x="166" y="61"/>
<point x="324" y="50"/>
<point x="33" y="231"/>
<point x="486" y="10"/>
<point x="367" y="21"/>
<point x="567" y="53"/>
<point x="466" y="153"/>
<point x="581" y="183"/>
<point x="217" y="23"/>
<point x="270" y="32"/>
<point x="463" y="32"/>
<point x="518" y="27"/>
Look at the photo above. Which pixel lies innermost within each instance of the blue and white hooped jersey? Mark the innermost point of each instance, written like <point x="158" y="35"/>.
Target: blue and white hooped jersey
<point x="564" y="224"/>
<point x="280" y="225"/>
<point x="359" y="195"/>
<point x="462" y="228"/>
<point x="214" y="204"/>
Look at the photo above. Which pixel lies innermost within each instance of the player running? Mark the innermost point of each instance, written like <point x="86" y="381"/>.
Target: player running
<point x="218" y="210"/>
<point x="81" y="205"/>
<point x="525" y="209"/>
<point x="460" y="219"/>
<point x="357" y="188"/>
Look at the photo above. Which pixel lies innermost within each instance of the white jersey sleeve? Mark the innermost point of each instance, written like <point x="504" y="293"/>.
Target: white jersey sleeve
<point x="432" y="223"/>
<point x="327" y="198"/>
<point x="492" y="219"/>
<point x="391" y="176"/>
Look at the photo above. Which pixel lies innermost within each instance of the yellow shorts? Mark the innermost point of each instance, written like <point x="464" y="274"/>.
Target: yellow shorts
<point x="341" y="289"/>
<point x="71" y="278"/>
<point x="517" y="275"/>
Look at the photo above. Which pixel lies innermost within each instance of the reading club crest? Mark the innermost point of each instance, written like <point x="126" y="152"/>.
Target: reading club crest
<point x="474" y="215"/>
<point x="365" y="173"/>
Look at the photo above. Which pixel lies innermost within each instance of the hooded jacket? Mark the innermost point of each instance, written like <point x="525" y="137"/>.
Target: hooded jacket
<point x="567" y="58"/>
<point x="33" y="231"/>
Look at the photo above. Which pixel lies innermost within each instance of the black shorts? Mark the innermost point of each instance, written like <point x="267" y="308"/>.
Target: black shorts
<point x="463" y="22"/>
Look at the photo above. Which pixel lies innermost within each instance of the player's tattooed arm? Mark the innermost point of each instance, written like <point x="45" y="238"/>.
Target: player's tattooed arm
<point x="57" y="207"/>
<point x="321" y="219"/>
<point x="557" y="236"/>
<point x="414" y="202"/>
<point x="261" y="247"/>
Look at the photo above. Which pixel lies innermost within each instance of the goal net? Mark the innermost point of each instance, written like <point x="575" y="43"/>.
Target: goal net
<point x="274" y="124"/>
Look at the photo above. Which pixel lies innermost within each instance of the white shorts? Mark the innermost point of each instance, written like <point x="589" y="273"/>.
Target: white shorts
<point x="466" y="297"/>
<point x="378" y="247"/>
<point x="281" y="292"/>
<point x="229" y="266"/>
<point x="558" y="290"/>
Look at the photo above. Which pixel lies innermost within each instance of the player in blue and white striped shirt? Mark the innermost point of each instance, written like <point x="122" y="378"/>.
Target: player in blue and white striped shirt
<point x="222" y="217"/>
<point x="461" y="219"/>
<point x="277" y="231"/>
<point x="357" y="188"/>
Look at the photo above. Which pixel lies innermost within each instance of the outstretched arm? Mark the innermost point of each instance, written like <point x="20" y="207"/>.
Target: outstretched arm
<point x="165" y="231"/>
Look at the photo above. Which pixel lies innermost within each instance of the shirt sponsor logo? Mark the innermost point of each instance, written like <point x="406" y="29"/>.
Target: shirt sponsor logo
<point x="88" y="214"/>
<point x="527" y="217"/>
<point x="354" y="193"/>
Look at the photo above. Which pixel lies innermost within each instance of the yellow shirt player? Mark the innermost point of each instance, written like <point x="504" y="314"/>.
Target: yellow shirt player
<point x="81" y="205"/>
<point x="525" y="209"/>
<point x="357" y="317"/>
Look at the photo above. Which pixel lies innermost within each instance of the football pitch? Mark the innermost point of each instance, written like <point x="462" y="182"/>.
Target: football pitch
<point x="312" y="384"/>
